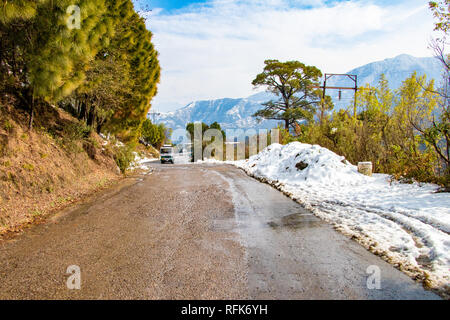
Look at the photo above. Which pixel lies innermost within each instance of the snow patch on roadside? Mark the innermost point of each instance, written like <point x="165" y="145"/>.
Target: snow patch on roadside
<point x="210" y="161"/>
<point x="139" y="159"/>
<point x="140" y="162"/>
<point x="406" y="224"/>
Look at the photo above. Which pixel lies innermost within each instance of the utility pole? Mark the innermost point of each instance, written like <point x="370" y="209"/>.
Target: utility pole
<point x="352" y="77"/>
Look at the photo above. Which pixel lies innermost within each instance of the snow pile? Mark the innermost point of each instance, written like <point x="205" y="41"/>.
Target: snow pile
<point x="210" y="161"/>
<point x="320" y="166"/>
<point x="108" y="139"/>
<point x="182" y="158"/>
<point x="407" y="224"/>
<point x="140" y="161"/>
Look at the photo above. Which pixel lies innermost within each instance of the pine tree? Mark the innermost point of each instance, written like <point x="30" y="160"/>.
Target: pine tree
<point x="59" y="55"/>
<point x="106" y="66"/>
<point x="18" y="10"/>
<point x="294" y="83"/>
<point x="134" y="41"/>
<point x="53" y="55"/>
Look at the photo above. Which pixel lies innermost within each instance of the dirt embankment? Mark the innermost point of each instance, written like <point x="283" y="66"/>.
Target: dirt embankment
<point x="49" y="167"/>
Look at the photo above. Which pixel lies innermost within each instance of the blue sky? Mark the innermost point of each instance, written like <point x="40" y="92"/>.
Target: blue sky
<point x="213" y="49"/>
<point x="168" y="5"/>
<point x="172" y="5"/>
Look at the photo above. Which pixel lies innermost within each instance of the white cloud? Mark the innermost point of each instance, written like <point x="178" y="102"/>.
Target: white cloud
<point x="215" y="50"/>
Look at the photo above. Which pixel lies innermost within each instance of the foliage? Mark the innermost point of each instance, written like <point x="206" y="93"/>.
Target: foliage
<point x="393" y="129"/>
<point x="124" y="156"/>
<point x="8" y="126"/>
<point x="437" y="131"/>
<point x="296" y="86"/>
<point x="105" y="72"/>
<point x="76" y="131"/>
<point x="153" y="134"/>
<point x="190" y="128"/>
<point x="440" y="10"/>
<point x="18" y="9"/>
<point x="136" y="62"/>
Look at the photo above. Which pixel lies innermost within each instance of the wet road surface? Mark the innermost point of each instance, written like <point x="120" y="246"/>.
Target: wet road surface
<point x="194" y="232"/>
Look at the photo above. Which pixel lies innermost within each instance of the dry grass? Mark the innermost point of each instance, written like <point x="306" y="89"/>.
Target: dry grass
<point x="47" y="168"/>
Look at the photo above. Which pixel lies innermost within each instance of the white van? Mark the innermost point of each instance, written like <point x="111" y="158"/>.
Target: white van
<point x="166" y="154"/>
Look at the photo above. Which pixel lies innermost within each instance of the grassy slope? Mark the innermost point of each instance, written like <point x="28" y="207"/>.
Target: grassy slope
<point x="49" y="167"/>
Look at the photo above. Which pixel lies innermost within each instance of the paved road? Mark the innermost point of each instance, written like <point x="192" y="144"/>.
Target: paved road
<point x="193" y="232"/>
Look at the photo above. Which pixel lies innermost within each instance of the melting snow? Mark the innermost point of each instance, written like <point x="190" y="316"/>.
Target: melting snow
<point x="409" y="224"/>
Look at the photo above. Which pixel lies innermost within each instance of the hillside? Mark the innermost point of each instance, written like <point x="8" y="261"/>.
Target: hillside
<point x="63" y="83"/>
<point x="237" y="113"/>
<point x="49" y="167"/>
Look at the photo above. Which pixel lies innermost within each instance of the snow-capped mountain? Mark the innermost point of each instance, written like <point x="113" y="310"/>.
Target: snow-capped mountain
<point x="395" y="69"/>
<point x="230" y="113"/>
<point x="398" y="69"/>
<point x="237" y="113"/>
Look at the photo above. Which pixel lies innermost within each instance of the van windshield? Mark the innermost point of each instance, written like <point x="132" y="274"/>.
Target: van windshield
<point x="166" y="151"/>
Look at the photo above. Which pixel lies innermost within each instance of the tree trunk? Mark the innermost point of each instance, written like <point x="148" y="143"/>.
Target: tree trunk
<point x="30" y="123"/>
<point x="77" y="107"/>
<point x="286" y="124"/>
<point x="82" y="110"/>
<point x="91" y="116"/>
<point x="99" y="128"/>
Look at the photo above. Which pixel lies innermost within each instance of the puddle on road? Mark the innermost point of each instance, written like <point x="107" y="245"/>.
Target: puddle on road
<point x="291" y="222"/>
<point x="296" y="221"/>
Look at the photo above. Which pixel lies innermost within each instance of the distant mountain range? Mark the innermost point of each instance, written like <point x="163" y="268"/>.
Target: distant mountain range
<point x="229" y="113"/>
<point x="237" y="113"/>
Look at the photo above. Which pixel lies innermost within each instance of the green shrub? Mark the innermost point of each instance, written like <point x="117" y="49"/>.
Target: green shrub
<point x="94" y="142"/>
<point x="123" y="156"/>
<point x="76" y="131"/>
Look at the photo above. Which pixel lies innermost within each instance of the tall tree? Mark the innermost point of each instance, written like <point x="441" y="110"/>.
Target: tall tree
<point x="437" y="131"/>
<point x="295" y="84"/>
<point x="441" y="12"/>
<point x="135" y="43"/>
<point x="93" y="57"/>
<point x="154" y="134"/>
<point x="18" y="9"/>
<point x="122" y="79"/>
<point x="54" y="55"/>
